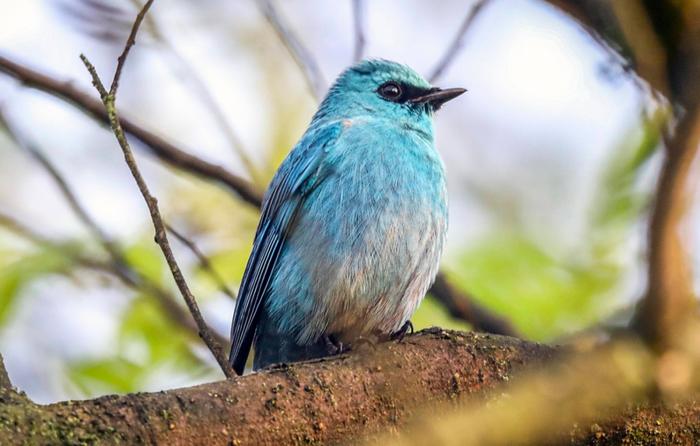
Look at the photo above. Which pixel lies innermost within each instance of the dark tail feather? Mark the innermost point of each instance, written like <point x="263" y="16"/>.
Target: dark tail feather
<point x="274" y="348"/>
<point x="239" y="353"/>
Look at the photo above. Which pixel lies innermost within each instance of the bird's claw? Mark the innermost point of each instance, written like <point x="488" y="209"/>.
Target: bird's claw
<point x="406" y="328"/>
<point x="334" y="346"/>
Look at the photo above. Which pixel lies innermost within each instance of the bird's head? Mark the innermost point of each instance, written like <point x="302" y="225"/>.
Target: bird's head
<point x="385" y="89"/>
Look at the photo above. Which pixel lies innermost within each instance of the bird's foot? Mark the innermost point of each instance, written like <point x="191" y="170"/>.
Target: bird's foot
<point x="406" y="328"/>
<point x="334" y="346"/>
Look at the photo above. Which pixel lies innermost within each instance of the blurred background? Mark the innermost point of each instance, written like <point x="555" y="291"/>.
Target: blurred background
<point x="552" y="157"/>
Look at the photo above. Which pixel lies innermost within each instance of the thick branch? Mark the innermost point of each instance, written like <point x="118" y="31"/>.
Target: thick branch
<point x="670" y="300"/>
<point x="331" y="401"/>
<point x="463" y="307"/>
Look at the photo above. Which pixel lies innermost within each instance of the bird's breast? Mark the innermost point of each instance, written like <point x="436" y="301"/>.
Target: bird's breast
<point x="366" y="241"/>
<point x="376" y="229"/>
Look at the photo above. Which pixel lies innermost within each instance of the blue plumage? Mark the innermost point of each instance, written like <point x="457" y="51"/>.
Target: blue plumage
<point x="352" y="225"/>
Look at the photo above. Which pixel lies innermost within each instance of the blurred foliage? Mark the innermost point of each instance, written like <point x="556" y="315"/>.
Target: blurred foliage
<point x="20" y="270"/>
<point x="547" y="296"/>
<point x="146" y="258"/>
<point x="148" y="343"/>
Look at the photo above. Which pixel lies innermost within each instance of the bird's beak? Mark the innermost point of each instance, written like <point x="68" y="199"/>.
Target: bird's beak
<point x="437" y="96"/>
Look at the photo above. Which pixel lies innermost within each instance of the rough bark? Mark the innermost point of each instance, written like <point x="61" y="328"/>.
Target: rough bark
<point x="332" y="401"/>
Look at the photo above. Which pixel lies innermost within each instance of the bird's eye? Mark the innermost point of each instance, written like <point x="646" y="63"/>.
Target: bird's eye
<point x="390" y="91"/>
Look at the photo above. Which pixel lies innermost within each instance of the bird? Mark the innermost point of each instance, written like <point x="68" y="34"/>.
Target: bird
<point x="352" y="225"/>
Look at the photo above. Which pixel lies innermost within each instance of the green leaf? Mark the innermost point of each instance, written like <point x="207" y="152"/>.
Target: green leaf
<point x="145" y="322"/>
<point x="146" y="258"/>
<point x="106" y="376"/>
<point x="18" y="274"/>
<point x="541" y="295"/>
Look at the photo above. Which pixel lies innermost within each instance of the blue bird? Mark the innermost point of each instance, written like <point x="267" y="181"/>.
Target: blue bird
<point x="352" y="225"/>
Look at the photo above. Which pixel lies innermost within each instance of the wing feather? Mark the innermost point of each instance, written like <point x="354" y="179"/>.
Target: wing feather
<point x="303" y="169"/>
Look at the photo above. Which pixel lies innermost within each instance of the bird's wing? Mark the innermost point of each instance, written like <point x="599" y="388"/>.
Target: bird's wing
<point x="304" y="168"/>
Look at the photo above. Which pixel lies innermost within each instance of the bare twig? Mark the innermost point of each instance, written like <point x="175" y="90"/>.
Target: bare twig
<point x="204" y="261"/>
<point x="457" y="42"/>
<point x="358" y="21"/>
<point x="121" y="60"/>
<point x="463" y="307"/>
<point x="301" y="55"/>
<point x="161" y="148"/>
<point x="203" y="93"/>
<point x="126" y="275"/>
<point x="161" y="237"/>
<point x="13" y="225"/>
<point x="117" y="266"/>
<point x="65" y="189"/>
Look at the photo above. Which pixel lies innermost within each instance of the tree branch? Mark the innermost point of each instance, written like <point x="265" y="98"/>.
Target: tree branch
<point x="127" y="276"/>
<point x="358" y="24"/>
<point x="204" y="261"/>
<point x="457" y="42"/>
<point x="301" y="55"/>
<point x="336" y="400"/>
<point x="463" y="307"/>
<point x="161" y="237"/>
<point x="544" y="406"/>
<point x="670" y="300"/>
<point x="162" y="149"/>
<point x="202" y="92"/>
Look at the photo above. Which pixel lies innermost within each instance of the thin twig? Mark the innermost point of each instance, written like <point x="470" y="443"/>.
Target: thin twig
<point x="301" y="55"/>
<point x="161" y="148"/>
<point x="15" y="226"/>
<point x="453" y="49"/>
<point x="203" y="93"/>
<point x="118" y="265"/>
<point x="358" y="21"/>
<point x="204" y="261"/>
<point x="127" y="276"/>
<point x="130" y="41"/>
<point x="65" y="189"/>
<point x="161" y="237"/>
